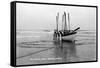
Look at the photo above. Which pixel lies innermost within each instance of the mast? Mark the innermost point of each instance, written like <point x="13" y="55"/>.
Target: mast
<point x="69" y="21"/>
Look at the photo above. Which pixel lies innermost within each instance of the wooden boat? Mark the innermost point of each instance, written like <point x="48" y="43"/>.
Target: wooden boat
<point x="65" y="34"/>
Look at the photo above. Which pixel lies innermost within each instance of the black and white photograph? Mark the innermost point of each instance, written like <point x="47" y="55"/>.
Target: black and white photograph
<point x="47" y="34"/>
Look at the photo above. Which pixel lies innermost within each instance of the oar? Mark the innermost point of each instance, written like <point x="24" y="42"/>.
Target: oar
<point x="76" y="29"/>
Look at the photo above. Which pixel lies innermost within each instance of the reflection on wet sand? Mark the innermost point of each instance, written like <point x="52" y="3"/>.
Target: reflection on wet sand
<point x="67" y="51"/>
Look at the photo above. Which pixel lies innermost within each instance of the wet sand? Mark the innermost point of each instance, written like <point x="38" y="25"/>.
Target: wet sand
<point x="42" y="50"/>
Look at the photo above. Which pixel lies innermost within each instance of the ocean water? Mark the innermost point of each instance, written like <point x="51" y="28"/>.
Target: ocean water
<point x="38" y="47"/>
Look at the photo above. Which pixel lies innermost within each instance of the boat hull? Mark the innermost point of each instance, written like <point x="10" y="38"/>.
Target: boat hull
<point x="65" y="36"/>
<point x="69" y="37"/>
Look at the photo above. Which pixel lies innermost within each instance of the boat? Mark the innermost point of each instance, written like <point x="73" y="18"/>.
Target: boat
<point x="65" y="34"/>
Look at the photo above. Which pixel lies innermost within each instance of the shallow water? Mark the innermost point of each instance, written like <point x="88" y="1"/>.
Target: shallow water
<point x="38" y="47"/>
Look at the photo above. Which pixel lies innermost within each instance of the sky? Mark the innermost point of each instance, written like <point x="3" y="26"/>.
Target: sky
<point x="43" y="17"/>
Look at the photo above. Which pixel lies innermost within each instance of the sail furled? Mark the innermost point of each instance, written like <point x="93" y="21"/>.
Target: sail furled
<point x="57" y="21"/>
<point x="65" y="22"/>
